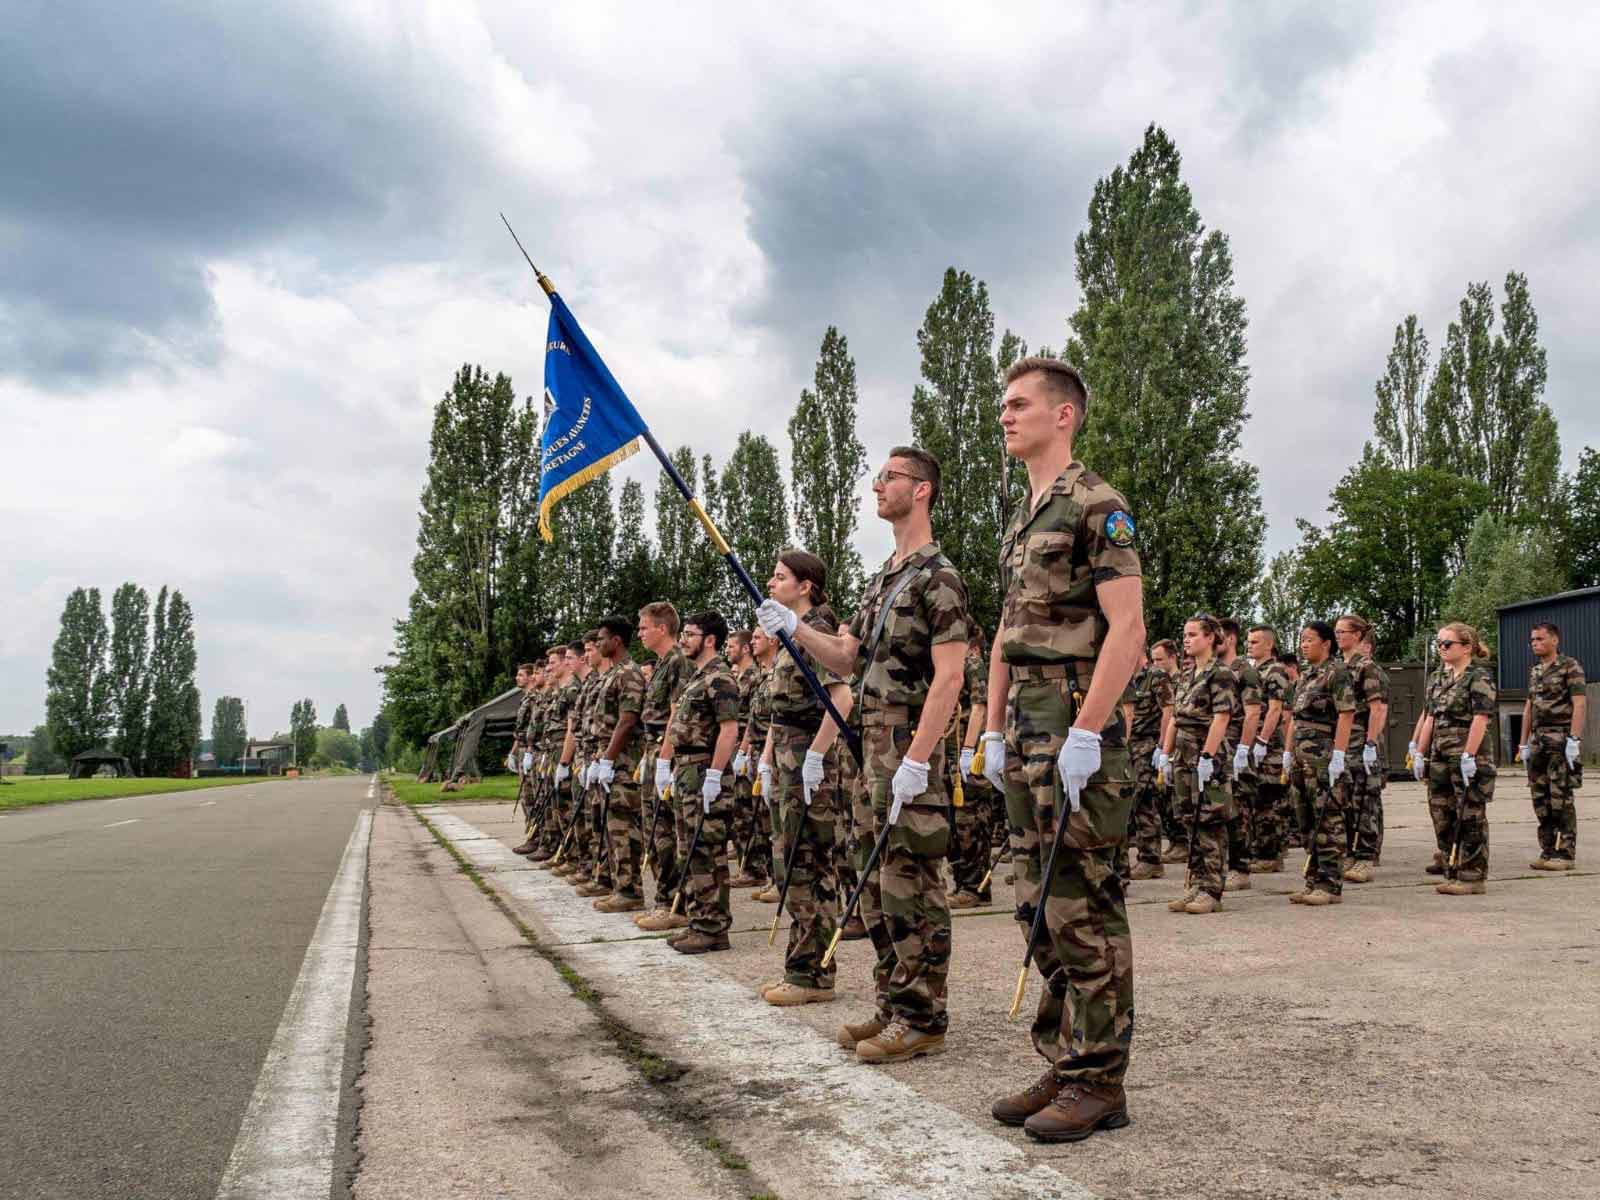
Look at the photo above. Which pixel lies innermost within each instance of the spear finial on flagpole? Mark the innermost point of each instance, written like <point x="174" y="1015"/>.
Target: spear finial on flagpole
<point x="544" y="280"/>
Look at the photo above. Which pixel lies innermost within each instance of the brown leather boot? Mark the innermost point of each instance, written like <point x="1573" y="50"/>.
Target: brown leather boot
<point x="1318" y="898"/>
<point x="618" y="903"/>
<point x="1176" y="854"/>
<point x="1436" y="867"/>
<point x="745" y="880"/>
<point x="1182" y="901"/>
<point x="1147" y="870"/>
<point x="851" y="1036"/>
<point x="541" y="856"/>
<point x="1016" y="1108"/>
<point x="792" y="995"/>
<point x="854" y="930"/>
<point x="695" y="942"/>
<point x="963" y="900"/>
<point x="1237" y="881"/>
<point x="1460" y="887"/>
<point x="527" y="847"/>
<point x="661" y="920"/>
<point x="1359" y="871"/>
<point x="1077" y="1111"/>
<point x="594" y="888"/>
<point x="1266" y="866"/>
<point x="897" y="1043"/>
<point x="1203" y="905"/>
<point x="767" y="895"/>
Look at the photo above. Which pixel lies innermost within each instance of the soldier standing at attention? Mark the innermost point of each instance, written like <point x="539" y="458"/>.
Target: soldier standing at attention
<point x="578" y="681"/>
<point x="555" y="731"/>
<point x="1377" y="776"/>
<point x="1324" y="713"/>
<point x="1267" y="824"/>
<point x="1371" y="688"/>
<point x="803" y="764"/>
<point x="748" y="813"/>
<point x="976" y="818"/>
<point x="1552" y="745"/>
<point x="1071" y="627"/>
<point x="1152" y="709"/>
<point x="1197" y="762"/>
<point x="593" y="878"/>
<point x="1292" y="837"/>
<point x="523" y="731"/>
<point x="1242" y="732"/>
<point x="658" y="632"/>
<point x="619" y="742"/>
<point x="1450" y="744"/>
<point x="908" y="641"/>
<point x="759" y="859"/>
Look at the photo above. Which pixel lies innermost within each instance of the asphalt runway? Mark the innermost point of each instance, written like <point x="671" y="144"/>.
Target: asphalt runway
<point x="147" y="949"/>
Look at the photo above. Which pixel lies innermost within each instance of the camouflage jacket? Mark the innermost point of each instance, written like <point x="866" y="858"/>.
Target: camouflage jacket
<point x="1370" y="686"/>
<point x="710" y="697"/>
<point x="1275" y="685"/>
<point x="621" y="691"/>
<point x="1322" y="693"/>
<point x="1051" y="559"/>
<point x="760" y="709"/>
<point x="1247" y="689"/>
<point x="1551" y="690"/>
<point x="790" y="701"/>
<point x="1199" y="695"/>
<point x="581" y="705"/>
<point x="747" y="680"/>
<point x="1455" y="700"/>
<point x="524" y="727"/>
<point x="557" y="706"/>
<point x="672" y="672"/>
<point x="927" y="607"/>
<point x="1152" y="692"/>
<point x="974" y="695"/>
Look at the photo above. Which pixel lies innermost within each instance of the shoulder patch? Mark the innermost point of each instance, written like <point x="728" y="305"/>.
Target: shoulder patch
<point x="1119" y="528"/>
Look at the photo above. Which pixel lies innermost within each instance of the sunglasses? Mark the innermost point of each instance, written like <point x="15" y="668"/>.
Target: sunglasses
<point x="1446" y="643"/>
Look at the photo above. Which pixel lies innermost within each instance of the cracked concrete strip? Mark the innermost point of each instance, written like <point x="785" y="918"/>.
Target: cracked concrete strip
<point x="798" y="1106"/>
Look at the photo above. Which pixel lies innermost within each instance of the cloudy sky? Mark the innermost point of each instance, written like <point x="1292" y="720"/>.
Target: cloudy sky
<point x="243" y="247"/>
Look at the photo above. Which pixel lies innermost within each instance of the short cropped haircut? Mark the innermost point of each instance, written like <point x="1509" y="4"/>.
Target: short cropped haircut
<point x="1272" y="634"/>
<point x="1551" y="628"/>
<point x="530" y="668"/>
<point x="575" y="647"/>
<point x="1059" y="375"/>
<point x="1289" y="658"/>
<point x="1230" y="627"/>
<point x="927" y="464"/>
<point x="1322" y="629"/>
<point x="618" y="627"/>
<point x="1167" y="644"/>
<point x="712" y="624"/>
<point x="662" y="613"/>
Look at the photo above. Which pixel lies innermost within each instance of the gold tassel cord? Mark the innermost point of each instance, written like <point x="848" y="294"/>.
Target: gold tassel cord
<point x="832" y="946"/>
<point x="1016" y="1000"/>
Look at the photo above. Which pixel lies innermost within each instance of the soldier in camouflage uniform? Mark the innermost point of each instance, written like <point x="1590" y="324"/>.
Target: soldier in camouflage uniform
<point x="562" y="697"/>
<point x="568" y="776"/>
<point x="969" y="853"/>
<point x="1363" y="812"/>
<point x="749" y="813"/>
<point x="593" y="876"/>
<point x="665" y="833"/>
<point x="1072" y="625"/>
<point x="1243" y="728"/>
<point x="1199" y="763"/>
<point x="523" y="732"/>
<point x="1552" y="746"/>
<point x="1152" y="708"/>
<point x="618" y="739"/>
<point x="1267" y="821"/>
<point x="699" y="745"/>
<point x="1324" y="711"/>
<point x="1459" y="768"/>
<point x="909" y="642"/>
<point x="763" y="850"/>
<point x="802" y="753"/>
<point x="1378" y="772"/>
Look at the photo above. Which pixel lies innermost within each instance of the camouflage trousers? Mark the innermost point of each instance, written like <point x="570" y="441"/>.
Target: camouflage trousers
<point x="580" y="847"/>
<point x="1268" y="824"/>
<point x="810" y="837"/>
<point x="705" y="893"/>
<point x="1144" y="825"/>
<point x="863" y="835"/>
<point x="625" y="832"/>
<point x="969" y="845"/>
<point x="1461" y="815"/>
<point x="1084" y="1022"/>
<point x="1550" y="780"/>
<point x="1241" y="834"/>
<point x="661" y="831"/>
<point x="598" y="850"/>
<point x="560" y="810"/>
<point x="1205" y="813"/>
<point x="904" y="904"/>
<point x="1321" y="811"/>
<point x="752" y="836"/>
<point x="1361" y="792"/>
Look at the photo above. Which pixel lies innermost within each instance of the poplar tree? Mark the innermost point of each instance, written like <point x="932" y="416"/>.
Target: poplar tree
<point x="635" y="577"/>
<point x="1580" y="526"/>
<point x="341" y="718"/>
<point x="303" y="730"/>
<point x="1400" y="420"/>
<point x="174" y="726"/>
<point x="129" y="670"/>
<point x="227" y="730"/>
<point x="585" y="526"/>
<point x="78" y="710"/>
<point x="678" y="535"/>
<point x="827" y="462"/>
<point x="1160" y="336"/>
<point x="757" y="512"/>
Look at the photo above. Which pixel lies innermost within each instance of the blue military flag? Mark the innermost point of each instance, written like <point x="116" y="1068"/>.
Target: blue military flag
<point x="589" y="424"/>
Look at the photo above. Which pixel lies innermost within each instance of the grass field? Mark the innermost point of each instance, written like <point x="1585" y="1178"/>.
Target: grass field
<point x="408" y="791"/>
<point x="26" y="793"/>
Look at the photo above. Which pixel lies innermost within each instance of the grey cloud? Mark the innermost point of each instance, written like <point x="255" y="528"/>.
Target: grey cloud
<point x="1281" y="53"/>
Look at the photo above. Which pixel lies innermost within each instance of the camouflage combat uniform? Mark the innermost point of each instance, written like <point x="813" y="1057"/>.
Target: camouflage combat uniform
<point x="666" y="833"/>
<point x="1460" y="810"/>
<point x="1551" y="690"/>
<point x="1247" y="690"/>
<point x="709" y="698"/>
<point x="1051" y="560"/>
<point x="621" y="691"/>
<point x="561" y="704"/>
<point x="969" y="851"/>
<point x="522" y="735"/>
<point x="750" y="836"/>
<point x="1268" y="826"/>
<point x="596" y="858"/>
<point x="1152" y="694"/>
<point x="1201" y="693"/>
<point x="911" y="606"/>
<point x="1322" y="693"/>
<point x="808" y="832"/>
<point x="1363" y="806"/>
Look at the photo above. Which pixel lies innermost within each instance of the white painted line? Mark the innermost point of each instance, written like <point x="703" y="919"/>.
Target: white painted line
<point x="286" y="1140"/>
<point x="881" y="1132"/>
<point x="205" y="803"/>
<point x="114" y="824"/>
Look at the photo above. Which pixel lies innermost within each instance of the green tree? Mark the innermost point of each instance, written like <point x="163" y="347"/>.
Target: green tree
<point x="382" y="727"/>
<point x="1505" y="564"/>
<point x="1281" y="600"/>
<point x="341" y="718"/>
<point x="635" y="583"/>
<point x="585" y="548"/>
<point x="129" y="670"/>
<point x="174" y="725"/>
<point x="336" y="748"/>
<point x="78" y="689"/>
<point x="758" y="514"/>
<point x="827" y="461"/>
<point x="42" y="756"/>
<point x="1580" y="523"/>
<point x="1400" y="420"/>
<point x="227" y="730"/>
<point x="1161" y="338"/>
<point x="680" y="542"/>
<point x="369" y="749"/>
<point x="1013" y="485"/>
<point x="303" y="730"/>
<point x="954" y="417"/>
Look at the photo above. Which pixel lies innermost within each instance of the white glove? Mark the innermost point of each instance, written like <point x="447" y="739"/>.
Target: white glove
<point x="1525" y="752"/>
<point x="1258" y="752"/>
<point x="1369" y="756"/>
<point x="765" y="771"/>
<point x="511" y="762"/>
<point x="994" y="760"/>
<point x="1469" y="768"/>
<point x="710" y="789"/>
<point x="774" y="618"/>
<point x="1078" y="760"/>
<point x="1335" y="767"/>
<point x="909" y="782"/>
<point x="563" y="772"/>
<point x="1411" y="749"/>
<point x="603" y="773"/>
<point x="1419" y="765"/>
<point x="1241" y="759"/>
<point x="1166" y="767"/>
<point x="810" y="775"/>
<point x="966" y="763"/>
<point x="527" y="760"/>
<point x="663" y="775"/>
<point x="1157" y="757"/>
<point x="1205" y="769"/>
<point x="1574" y="749"/>
<point x="740" y="761"/>
<point x="588" y="774"/>
<point x="1288" y="760"/>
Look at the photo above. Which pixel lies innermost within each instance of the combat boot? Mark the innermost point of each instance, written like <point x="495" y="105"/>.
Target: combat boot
<point x="1237" y="881"/>
<point x="1176" y="853"/>
<point x="1545" y="864"/>
<point x="1148" y="870"/>
<point x="745" y="880"/>
<point x="580" y="877"/>
<point x="1460" y="887"/>
<point x="1359" y="871"/>
<point x="1019" y="1106"/>
<point x="695" y="942"/>
<point x="1436" y="867"/>
<point x="1266" y="866"/>
<point x="662" y="920"/>
<point x="618" y="903"/>
<point x="963" y="900"/>
<point x="527" y="847"/>
<point x="1182" y="901"/>
<point x="897" y="1043"/>
<point x="792" y="995"/>
<point x="1317" y="898"/>
<point x="1563" y="864"/>
<point x="593" y="888"/>
<point x="1077" y="1111"/>
<point x="851" y="1036"/>
<point x="768" y="895"/>
<point x="854" y="929"/>
<point x="561" y="869"/>
<point x="1203" y="905"/>
<point x="541" y="856"/>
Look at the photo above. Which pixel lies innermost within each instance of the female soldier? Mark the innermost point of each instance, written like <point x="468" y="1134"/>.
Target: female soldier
<point x="1324" y="711"/>
<point x="1460" y="787"/>
<point x="1370" y="687"/>
<point x="804" y="767"/>
<point x="1197" y="763"/>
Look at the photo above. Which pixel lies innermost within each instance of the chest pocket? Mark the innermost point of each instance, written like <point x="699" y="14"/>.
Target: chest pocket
<point x="1046" y="564"/>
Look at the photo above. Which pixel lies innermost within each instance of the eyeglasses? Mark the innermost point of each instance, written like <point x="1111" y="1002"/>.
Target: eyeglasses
<point x="882" y="478"/>
<point x="1446" y="643"/>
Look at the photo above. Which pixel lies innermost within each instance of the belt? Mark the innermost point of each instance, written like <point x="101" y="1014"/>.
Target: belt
<point x="888" y="716"/>
<point x="689" y="757"/>
<point x="806" y="724"/>
<point x="1562" y="727"/>
<point x="1031" y="672"/>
